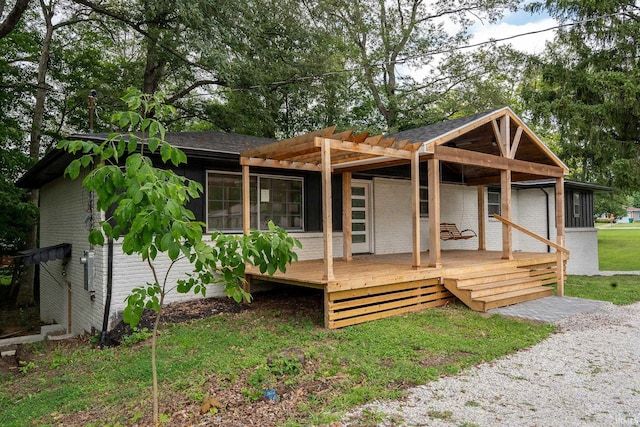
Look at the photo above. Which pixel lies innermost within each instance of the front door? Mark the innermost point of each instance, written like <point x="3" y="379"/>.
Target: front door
<point x="361" y="233"/>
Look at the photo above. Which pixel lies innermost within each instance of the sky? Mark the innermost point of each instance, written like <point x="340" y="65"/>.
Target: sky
<point x="515" y="23"/>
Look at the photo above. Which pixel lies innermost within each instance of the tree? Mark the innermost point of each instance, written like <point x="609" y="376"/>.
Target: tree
<point x="587" y="86"/>
<point x="389" y="38"/>
<point x="151" y="218"/>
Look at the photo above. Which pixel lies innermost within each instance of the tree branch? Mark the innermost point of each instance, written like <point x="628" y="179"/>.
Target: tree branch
<point x="13" y="17"/>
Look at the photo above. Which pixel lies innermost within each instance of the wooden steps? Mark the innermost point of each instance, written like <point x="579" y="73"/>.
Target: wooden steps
<point x="492" y="288"/>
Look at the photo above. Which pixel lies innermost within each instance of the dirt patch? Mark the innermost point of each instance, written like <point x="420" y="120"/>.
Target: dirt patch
<point x="17" y="322"/>
<point x="176" y="313"/>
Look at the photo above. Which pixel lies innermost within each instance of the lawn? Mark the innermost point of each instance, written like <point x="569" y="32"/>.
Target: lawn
<point x="216" y="369"/>
<point x="318" y="374"/>
<point x="619" y="249"/>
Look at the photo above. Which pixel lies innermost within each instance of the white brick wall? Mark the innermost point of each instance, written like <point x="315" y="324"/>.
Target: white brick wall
<point x="392" y="216"/>
<point x="582" y="244"/>
<point x="63" y="207"/>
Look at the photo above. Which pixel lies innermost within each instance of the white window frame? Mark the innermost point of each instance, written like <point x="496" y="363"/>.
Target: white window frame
<point x="498" y="205"/>
<point x="577" y="205"/>
<point x="258" y="191"/>
<point x="424" y="202"/>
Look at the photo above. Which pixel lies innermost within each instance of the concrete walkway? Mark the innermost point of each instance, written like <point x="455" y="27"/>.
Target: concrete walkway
<point x="550" y="309"/>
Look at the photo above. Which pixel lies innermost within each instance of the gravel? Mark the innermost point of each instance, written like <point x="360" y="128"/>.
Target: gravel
<point x="587" y="374"/>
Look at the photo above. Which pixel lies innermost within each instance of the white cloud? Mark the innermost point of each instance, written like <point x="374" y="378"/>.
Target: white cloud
<point x="531" y="43"/>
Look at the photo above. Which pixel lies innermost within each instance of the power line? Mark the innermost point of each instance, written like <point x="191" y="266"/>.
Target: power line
<point x="417" y="56"/>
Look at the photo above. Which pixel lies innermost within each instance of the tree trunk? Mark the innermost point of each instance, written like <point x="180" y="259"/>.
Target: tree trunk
<point x="25" y="296"/>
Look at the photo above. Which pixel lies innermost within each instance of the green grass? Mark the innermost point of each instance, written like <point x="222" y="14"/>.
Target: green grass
<point x="606" y="225"/>
<point x="619" y="250"/>
<point x="359" y="363"/>
<point x="620" y="290"/>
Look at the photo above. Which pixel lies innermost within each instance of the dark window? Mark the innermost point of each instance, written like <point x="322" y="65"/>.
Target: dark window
<point x="280" y="200"/>
<point x="577" y="205"/>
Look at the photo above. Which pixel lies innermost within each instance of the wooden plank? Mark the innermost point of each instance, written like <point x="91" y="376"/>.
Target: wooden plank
<point x="361" y="137"/>
<point x="531" y="234"/>
<point x="279" y="164"/>
<point x="382" y="307"/>
<point x="392" y="287"/>
<point x="296" y="152"/>
<point x="347" y="251"/>
<point x="482" y="216"/>
<point x="285" y="145"/>
<point x="474" y="158"/>
<point x="505" y="133"/>
<point x="366" y="148"/>
<point x="516" y="142"/>
<point x="435" y="257"/>
<point x="383" y="163"/>
<point x="384" y="298"/>
<point x="505" y="196"/>
<point x="327" y="222"/>
<point x="415" y="207"/>
<point x="560" y="215"/>
<point x="246" y="202"/>
<point x="389" y="313"/>
<point x="497" y="134"/>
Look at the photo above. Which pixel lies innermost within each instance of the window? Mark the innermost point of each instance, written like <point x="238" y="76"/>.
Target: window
<point x="424" y="201"/>
<point x="494" y="203"/>
<point x="577" y="205"/>
<point x="280" y="200"/>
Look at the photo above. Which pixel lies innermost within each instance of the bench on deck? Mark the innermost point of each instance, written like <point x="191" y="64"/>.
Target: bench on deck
<point x="449" y="231"/>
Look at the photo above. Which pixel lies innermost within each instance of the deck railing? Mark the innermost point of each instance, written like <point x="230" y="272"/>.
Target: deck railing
<point x="560" y="250"/>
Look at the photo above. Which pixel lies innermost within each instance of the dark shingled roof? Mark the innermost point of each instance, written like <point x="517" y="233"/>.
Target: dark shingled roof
<point x="201" y="140"/>
<point x="429" y="132"/>
<point x="206" y="145"/>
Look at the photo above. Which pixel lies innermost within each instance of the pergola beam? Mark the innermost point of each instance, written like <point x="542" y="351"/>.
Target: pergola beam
<point x="279" y="164"/>
<point x="475" y="158"/>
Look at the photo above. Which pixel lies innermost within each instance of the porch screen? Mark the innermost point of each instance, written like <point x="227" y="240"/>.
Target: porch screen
<point x="279" y="199"/>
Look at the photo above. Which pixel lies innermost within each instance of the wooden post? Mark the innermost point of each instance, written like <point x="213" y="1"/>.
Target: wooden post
<point x="347" y="250"/>
<point x="415" y="206"/>
<point x="482" y="219"/>
<point x="246" y="200"/>
<point x="433" y="176"/>
<point x="505" y="135"/>
<point x="327" y="225"/>
<point x="560" y="234"/>
<point x="505" y="195"/>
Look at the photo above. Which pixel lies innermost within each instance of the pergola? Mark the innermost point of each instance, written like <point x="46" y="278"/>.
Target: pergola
<point x="494" y="148"/>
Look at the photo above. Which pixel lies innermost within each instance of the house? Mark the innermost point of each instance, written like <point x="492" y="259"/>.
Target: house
<point x="633" y="215"/>
<point x="367" y="210"/>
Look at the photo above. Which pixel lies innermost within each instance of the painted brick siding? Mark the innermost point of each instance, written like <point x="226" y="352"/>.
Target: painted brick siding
<point x="582" y="244"/>
<point x="64" y="205"/>
<point x="130" y="272"/>
<point x="392" y="216"/>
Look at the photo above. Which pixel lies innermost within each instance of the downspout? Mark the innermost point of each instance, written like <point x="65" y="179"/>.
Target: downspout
<point x="548" y="223"/>
<point x="107" y="304"/>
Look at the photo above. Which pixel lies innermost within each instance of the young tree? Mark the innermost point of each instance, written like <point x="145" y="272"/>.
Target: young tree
<point x="151" y="218"/>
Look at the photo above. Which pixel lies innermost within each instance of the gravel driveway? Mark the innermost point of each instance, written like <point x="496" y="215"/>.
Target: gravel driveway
<point x="587" y="374"/>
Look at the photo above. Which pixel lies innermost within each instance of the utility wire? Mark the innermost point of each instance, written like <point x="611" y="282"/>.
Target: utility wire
<point x="417" y="56"/>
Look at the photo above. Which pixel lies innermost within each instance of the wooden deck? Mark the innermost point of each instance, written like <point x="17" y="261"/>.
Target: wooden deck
<point x="375" y="286"/>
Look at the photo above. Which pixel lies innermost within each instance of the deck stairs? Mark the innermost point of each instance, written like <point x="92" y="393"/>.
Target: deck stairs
<point x="498" y="287"/>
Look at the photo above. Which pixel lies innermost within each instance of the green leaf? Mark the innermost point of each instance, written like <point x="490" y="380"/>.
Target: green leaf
<point x="165" y="152"/>
<point x="73" y="170"/>
<point x="96" y="237"/>
<point x="153" y="144"/>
